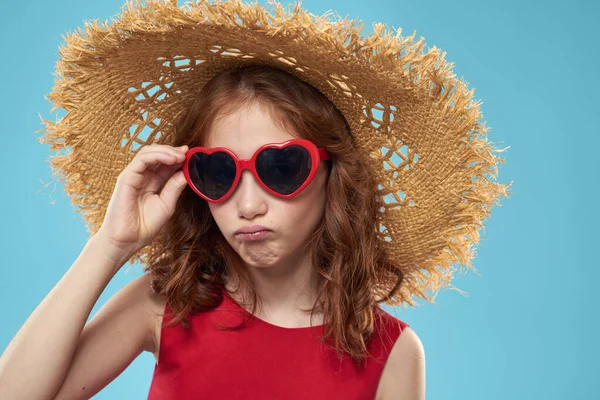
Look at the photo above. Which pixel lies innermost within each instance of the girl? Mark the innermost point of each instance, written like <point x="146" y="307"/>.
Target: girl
<point x="261" y="210"/>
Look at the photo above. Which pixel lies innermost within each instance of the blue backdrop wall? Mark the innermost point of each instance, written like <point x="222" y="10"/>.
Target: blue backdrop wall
<point x="526" y="329"/>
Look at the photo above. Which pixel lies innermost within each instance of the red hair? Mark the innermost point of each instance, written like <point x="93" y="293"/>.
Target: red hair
<point x="192" y="259"/>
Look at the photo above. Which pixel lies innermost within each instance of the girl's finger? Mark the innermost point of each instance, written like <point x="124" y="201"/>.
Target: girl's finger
<point x="146" y="160"/>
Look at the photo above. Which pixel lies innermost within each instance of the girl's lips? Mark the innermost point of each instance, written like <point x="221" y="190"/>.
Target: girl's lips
<point x="252" y="229"/>
<point x="253" y="236"/>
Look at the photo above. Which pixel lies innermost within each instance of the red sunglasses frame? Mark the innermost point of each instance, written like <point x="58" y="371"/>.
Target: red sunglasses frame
<point x="316" y="154"/>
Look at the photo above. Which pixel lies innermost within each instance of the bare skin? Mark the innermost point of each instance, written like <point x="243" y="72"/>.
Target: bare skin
<point x="55" y="348"/>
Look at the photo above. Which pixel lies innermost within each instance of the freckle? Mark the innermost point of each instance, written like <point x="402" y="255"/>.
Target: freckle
<point x="83" y="388"/>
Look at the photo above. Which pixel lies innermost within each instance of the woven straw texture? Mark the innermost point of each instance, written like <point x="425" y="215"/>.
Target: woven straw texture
<point x="125" y="84"/>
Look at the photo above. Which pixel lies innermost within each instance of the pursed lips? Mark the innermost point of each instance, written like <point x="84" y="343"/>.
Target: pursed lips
<point x="251" y="229"/>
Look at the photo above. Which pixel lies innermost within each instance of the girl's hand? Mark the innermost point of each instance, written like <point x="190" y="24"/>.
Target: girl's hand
<point x="144" y="197"/>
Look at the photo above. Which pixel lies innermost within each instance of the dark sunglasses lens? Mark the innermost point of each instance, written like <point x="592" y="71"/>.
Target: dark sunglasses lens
<point x="212" y="174"/>
<point x="284" y="170"/>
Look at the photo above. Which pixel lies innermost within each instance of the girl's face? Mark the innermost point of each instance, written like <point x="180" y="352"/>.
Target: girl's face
<point x="291" y="221"/>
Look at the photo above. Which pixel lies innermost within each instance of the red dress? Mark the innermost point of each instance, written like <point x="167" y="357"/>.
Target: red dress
<point x="262" y="360"/>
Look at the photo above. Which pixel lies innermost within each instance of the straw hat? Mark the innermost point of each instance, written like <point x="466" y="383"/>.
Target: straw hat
<point x="126" y="83"/>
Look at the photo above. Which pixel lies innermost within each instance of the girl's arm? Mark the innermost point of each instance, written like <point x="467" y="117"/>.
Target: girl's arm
<point x="50" y="350"/>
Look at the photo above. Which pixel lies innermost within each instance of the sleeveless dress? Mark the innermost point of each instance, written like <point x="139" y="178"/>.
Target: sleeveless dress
<point x="262" y="360"/>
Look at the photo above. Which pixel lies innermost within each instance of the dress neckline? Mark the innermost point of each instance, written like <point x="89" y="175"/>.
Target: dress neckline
<point x="284" y="328"/>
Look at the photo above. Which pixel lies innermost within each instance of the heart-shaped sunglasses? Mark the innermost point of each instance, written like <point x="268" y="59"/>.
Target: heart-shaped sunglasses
<point x="283" y="169"/>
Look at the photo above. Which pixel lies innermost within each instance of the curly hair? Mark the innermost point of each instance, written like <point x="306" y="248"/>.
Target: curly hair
<point x="191" y="259"/>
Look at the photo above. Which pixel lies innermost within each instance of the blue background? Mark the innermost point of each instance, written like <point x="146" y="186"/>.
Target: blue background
<point x="526" y="329"/>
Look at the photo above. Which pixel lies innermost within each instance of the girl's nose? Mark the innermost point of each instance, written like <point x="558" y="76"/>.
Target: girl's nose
<point x="250" y="196"/>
